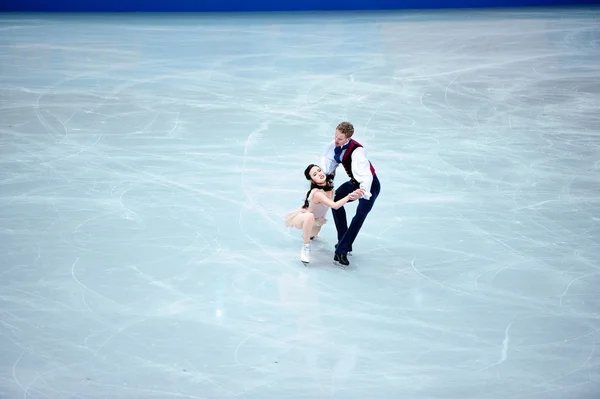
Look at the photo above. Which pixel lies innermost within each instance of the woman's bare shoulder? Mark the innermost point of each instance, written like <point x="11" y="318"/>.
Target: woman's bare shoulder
<point x="318" y="193"/>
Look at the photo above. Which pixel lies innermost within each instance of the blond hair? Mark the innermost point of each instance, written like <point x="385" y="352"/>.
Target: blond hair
<point x="346" y="129"/>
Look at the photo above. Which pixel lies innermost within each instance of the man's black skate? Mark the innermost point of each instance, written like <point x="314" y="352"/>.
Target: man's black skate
<point x="342" y="259"/>
<point x="349" y="250"/>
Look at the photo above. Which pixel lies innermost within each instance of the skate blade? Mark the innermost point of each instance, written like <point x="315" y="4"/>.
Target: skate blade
<point x="338" y="264"/>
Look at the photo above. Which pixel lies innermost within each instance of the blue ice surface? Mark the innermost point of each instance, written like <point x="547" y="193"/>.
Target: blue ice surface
<point x="147" y="163"/>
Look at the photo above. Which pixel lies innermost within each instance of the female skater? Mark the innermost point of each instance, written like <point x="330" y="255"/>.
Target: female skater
<point x="311" y="216"/>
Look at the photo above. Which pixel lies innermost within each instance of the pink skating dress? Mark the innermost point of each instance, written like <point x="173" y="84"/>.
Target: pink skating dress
<point x="319" y="210"/>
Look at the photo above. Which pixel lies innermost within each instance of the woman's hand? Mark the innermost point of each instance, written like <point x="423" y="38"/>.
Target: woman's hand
<point x="356" y="194"/>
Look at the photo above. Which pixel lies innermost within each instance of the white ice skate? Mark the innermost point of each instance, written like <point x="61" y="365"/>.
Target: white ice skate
<point x="305" y="253"/>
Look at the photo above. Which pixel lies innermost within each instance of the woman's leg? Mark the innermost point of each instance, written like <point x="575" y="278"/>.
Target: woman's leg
<point x="304" y="222"/>
<point x="315" y="231"/>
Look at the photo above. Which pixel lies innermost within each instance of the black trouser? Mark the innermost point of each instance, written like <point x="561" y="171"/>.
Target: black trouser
<point x="347" y="235"/>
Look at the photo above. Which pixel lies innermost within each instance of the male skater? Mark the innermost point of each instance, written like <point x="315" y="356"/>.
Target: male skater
<point x="353" y="157"/>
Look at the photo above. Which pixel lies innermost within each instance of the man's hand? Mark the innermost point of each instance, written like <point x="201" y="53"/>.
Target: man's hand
<point x="356" y="194"/>
<point x="330" y="177"/>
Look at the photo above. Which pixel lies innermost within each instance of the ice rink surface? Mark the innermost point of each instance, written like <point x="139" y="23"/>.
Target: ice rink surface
<point x="147" y="162"/>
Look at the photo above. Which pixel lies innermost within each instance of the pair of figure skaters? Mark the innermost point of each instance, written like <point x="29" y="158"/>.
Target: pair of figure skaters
<point x="363" y="186"/>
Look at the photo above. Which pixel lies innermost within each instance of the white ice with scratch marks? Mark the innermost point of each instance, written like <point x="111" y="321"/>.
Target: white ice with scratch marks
<point x="146" y="164"/>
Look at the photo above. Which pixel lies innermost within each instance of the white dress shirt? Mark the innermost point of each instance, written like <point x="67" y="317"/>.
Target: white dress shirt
<point x="361" y="168"/>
